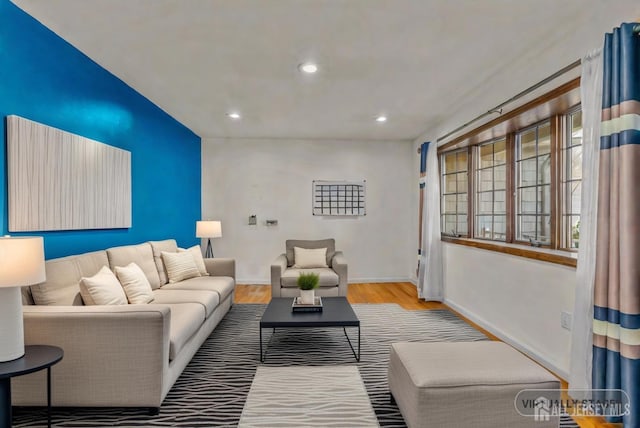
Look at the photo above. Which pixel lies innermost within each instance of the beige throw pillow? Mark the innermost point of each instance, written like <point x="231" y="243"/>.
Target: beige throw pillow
<point x="309" y="258"/>
<point x="196" y="252"/>
<point x="180" y="266"/>
<point x="102" y="288"/>
<point x="135" y="283"/>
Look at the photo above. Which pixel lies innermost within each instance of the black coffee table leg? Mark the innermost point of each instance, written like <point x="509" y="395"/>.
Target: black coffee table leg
<point x="261" y="356"/>
<point x="357" y="355"/>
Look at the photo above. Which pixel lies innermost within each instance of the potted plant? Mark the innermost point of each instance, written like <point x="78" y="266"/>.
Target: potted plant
<point x="307" y="283"/>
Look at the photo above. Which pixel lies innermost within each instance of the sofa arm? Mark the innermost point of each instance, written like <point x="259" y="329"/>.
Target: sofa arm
<point x="278" y="266"/>
<point x="113" y="355"/>
<point x="339" y="265"/>
<point x="221" y="267"/>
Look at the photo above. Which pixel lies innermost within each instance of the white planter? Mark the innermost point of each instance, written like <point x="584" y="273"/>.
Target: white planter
<point x="307" y="297"/>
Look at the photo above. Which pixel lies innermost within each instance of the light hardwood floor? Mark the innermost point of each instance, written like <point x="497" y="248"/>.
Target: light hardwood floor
<point x="404" y="294"/>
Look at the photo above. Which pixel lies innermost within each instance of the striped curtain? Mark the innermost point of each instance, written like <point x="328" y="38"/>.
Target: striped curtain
<point x="616" y="325"/>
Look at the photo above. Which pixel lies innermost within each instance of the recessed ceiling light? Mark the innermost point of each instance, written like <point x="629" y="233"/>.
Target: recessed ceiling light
<point x="308" y="67"/>
<point x="381" y="118"/>
<point x="234" y="115"/>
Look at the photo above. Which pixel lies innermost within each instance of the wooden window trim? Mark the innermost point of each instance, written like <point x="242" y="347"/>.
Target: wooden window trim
<point x="517" y="250"/>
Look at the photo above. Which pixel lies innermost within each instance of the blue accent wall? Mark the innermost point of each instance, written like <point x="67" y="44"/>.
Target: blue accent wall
<point x="45" y="79"/>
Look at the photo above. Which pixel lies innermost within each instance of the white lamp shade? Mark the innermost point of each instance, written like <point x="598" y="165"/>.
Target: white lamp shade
<point x="208" y="229"/>
<point x="21" y="261"/>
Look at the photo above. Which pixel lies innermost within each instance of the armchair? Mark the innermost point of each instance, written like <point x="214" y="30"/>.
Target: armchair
<point x="285" y="272"/>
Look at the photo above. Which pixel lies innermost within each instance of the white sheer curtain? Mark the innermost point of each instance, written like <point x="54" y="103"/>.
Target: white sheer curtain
<point x="581" y="331"/>
<point x="430" y="274"/>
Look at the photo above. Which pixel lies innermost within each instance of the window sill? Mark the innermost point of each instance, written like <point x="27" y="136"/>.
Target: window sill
<point x="564" y="258"/>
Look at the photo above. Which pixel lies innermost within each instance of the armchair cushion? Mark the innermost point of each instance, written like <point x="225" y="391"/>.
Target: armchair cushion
<point x="306" y="258"/>
<point x="328" y="278"/>
<point x="329" y="244"/>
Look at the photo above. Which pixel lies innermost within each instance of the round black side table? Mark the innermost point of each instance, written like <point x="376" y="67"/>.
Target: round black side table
<point x="35" y="358"/>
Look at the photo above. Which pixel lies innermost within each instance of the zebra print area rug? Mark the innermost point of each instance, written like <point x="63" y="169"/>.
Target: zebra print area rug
<point x="323" y="397"/>
<point x="213" y="388"/>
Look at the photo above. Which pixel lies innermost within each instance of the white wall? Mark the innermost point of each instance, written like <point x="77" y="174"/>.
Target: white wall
<point x="272" y="179"/>
<point x="518" y="299"/>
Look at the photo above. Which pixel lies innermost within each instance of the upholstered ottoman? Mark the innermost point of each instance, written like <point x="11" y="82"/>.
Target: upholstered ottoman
<point x="464" y="384"/>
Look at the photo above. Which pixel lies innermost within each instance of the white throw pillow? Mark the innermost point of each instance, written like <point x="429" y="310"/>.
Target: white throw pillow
<point x="305" y="258"/>
<point x="102" y="288"/>
<point x="135" y="283"/>
<point x="196" y="252"/>
<point x="180" y="266"/>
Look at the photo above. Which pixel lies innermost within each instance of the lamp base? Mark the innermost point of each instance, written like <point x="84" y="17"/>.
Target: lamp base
<point x="11" y="324"/>
<point x="209" y="253"/>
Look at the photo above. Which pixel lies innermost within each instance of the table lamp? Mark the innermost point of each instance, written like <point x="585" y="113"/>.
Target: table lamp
<point x="21" y="263"/>
<point x="208" y="229"/>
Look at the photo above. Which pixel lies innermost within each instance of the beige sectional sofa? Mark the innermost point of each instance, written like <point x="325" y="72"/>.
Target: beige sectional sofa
<point x="122" y="355"/>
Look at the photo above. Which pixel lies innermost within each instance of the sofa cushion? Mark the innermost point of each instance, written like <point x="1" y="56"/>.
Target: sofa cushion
<point x="208" y="299"/>
<point x="103" y="288"/>
<point x="223" y="285"/>
<point x="307" y="258"/>
<point x="196" y="252"/>
<point x="135" y="284"/>
<point x="168" y="245"/>
<point x="180" y="266"/>
<point x="186" y="320"/>
<point x="62" y="287"/>
<point x="329" y="244"/>
<point x="140" y="254"/>
<point x="328" y="277"/>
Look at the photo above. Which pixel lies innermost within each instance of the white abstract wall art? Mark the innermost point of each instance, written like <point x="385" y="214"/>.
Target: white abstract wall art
<point x="62" y="181"/>
<point x="339" y="198"/>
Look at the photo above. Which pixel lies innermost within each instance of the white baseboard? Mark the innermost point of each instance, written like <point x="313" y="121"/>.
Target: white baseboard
<point x="364" y="280"/>
<point x="508" y="339"/>
<point x="351" y="280"/>
<point x="252" y="281"/>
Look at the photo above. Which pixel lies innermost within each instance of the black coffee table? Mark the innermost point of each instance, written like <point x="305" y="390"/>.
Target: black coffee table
<point x="336" y="312"/>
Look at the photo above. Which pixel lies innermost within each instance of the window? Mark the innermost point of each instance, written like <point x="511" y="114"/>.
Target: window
<point x="572" y="180"/>
<point x="533" y="189"/>
<point x="517" y="179"/>
<point x="525" y="189"/>
<point x="491" y="190"/>
<point x="454" y="193"/>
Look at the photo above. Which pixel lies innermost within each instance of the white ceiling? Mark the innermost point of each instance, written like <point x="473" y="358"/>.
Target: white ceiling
<point x="421" y="62"/>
